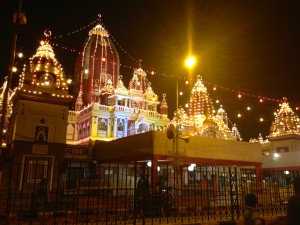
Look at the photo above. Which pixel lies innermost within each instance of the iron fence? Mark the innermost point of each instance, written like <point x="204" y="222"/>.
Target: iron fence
<point x="131" y="193"/>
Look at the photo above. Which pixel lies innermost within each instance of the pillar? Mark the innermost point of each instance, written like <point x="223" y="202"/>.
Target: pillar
<point x="258" y="173"/>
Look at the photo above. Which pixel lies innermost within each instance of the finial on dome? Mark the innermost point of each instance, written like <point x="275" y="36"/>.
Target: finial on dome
<point x="285" y="99"/>
<point x="47" y="34"/>
<point x="120" y="77"/>
<point x="199" y="77"/>
<point x="140" y="63"/>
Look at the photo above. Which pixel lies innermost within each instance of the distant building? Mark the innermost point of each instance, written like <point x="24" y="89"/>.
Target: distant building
<point x="282" y="151"/>
<point x="202" y="119"/>
<point x="9" y="108"/>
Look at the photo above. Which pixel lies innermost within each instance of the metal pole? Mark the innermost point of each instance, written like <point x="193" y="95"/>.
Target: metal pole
<point x="17" y="23"/>
<point x="177" y="94"/>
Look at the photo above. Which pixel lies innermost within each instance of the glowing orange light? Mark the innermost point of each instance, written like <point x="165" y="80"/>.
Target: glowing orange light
<point x="214" y="88"/>
<point x="261" y="119"/>
<point x="261" y="100"/>
<point x="152" y="72"/>
<point x="248" y="108"/>
<point x="239" y="95"/>
<point x="190" y="61"/>
<point x="186" y="82"/>
<point x="239" y="115"/>
<point x="103" y="59"/>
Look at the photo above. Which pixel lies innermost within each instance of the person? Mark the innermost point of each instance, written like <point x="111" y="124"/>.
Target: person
<point x="293" y="207"/>
<point x="143" y="190"/>
<point x="251" y="214"/>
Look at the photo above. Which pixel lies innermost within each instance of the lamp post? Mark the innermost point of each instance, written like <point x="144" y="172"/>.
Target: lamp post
<point x="174" y="132"/>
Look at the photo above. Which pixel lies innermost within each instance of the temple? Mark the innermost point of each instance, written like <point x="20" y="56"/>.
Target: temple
<point x="103" y="108"/>
<point x="282" y="149"/>
<point x="106" y="110"/>
<point x="202" y="119"/>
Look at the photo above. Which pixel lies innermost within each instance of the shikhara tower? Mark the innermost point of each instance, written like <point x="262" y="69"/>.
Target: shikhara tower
<point x="286" y="122"/>
<point x="282" y="150"/>
<point x="104" y="108"/>
<point x="202" y="119"/>
<point x="97" y="63"/>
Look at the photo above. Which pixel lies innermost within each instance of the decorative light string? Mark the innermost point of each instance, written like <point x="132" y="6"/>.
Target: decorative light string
<point x="239" y="93"/>
<point x="79" y="29"/>
<point x="154" y="72"/>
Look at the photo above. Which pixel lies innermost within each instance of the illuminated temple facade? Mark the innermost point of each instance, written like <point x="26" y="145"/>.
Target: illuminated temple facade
<point x="104" y="108"/>
<point x="202" y="119"/>
<point x="282" y="150"/>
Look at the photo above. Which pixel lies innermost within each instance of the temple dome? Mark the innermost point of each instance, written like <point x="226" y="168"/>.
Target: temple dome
<point x="202" y="119"/>
<point x="97" y="63"/>
<point x="200" y="102"/>
<point x="286" y="121"/>
<point x="43" y="72"/>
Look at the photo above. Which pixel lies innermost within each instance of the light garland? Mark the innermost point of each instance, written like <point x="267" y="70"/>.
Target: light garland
<point x="79" y="29"/>
<point x="215" y="87"/>
<point x="240" y="94"/>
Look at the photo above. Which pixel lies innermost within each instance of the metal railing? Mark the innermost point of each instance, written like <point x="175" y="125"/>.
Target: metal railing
<point x="94" y="193"/>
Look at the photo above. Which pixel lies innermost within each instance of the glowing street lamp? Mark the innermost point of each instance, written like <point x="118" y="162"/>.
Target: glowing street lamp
<point x="190" y="62"/>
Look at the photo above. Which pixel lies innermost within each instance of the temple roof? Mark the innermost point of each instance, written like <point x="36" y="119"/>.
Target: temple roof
<point x="286" y="121"/>
<point x="99" y="30"/>
<point x="199" y="95"/>
<point x="202" y="119"/>
<point x="43" y="73"/>
<point x="98" y="62"/>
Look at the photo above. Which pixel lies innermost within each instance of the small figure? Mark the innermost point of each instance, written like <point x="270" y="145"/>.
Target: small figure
<point x="251" y="214"/>
<point x="293" y="207"/>
<point x="42" y="193"/>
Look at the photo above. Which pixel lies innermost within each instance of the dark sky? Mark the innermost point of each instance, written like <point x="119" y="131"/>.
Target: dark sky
<point x="248" y="46"/>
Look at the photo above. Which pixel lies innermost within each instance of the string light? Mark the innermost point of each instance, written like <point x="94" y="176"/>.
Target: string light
<point x="78" y="30"/>
<point x="152" y="72"/>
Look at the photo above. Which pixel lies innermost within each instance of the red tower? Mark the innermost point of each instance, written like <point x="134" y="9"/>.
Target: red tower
<point x="97" y="63"/>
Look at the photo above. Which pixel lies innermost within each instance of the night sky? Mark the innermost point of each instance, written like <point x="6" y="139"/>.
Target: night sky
<point x="249" y="47"/>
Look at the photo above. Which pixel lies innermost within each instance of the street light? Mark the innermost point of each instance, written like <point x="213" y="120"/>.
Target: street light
<point x="173" y="132"/>
<point x="190" y="62"/>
